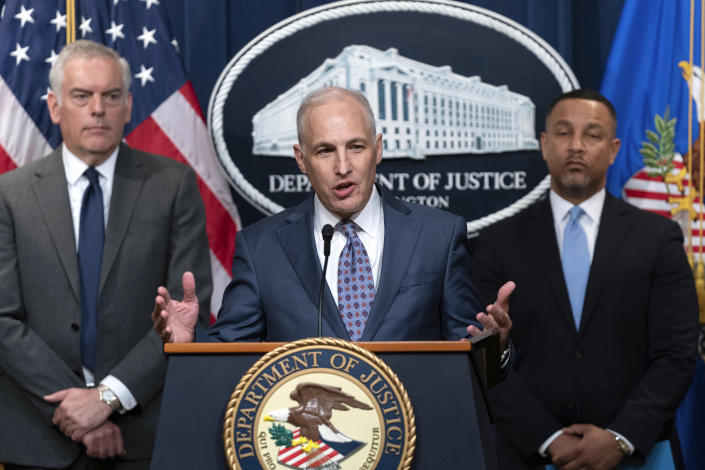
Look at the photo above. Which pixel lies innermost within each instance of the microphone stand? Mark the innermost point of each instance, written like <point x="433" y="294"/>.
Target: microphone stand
<point x="327" y="234"/>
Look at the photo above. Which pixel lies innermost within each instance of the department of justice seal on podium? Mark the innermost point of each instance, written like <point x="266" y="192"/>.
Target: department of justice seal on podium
<point x="319" y="403"/>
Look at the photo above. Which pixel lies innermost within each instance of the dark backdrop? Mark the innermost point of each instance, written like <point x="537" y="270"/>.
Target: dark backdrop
<point x="211" y="32"/>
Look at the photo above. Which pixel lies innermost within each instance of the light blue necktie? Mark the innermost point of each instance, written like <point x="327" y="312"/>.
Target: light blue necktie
<point x="576" y="262"/>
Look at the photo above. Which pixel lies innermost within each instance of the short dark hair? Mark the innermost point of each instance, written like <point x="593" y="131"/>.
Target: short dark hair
<point x="586" y="94"/>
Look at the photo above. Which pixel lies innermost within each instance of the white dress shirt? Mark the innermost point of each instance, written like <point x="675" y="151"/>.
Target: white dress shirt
<point x="76" y="184"/>
<point x="370" y="220"/>
<point x="591" y="225"/>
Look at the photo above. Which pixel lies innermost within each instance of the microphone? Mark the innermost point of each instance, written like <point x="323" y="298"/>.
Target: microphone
<point x="327" y="234"/>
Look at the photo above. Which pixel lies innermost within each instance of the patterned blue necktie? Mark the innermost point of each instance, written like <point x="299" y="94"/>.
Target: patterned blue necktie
<point x="91" y="234"/>
<point x="576" y="262"/>
<point x="356" y="287"/>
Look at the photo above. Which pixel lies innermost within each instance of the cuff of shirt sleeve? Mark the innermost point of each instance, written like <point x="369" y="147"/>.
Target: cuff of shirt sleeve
<point x="543" y="450"/>
<point x="627" y="441"/>
<point x="127" y="400"/>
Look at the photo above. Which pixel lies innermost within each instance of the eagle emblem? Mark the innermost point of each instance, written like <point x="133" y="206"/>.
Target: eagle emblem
<point x="315" y="442"/>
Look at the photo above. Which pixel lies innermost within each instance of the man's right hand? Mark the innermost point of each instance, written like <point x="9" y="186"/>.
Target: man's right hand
<point x="175" y="321"/>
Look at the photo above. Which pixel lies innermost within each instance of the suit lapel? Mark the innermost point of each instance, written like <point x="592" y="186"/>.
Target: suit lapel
<point x="401" y="234"/>
<point x="542" y="236"/>
<point x="50" y="189"/>
<point x="127" y="185"/>
<point x="296" y="239"/>
<point x="610" y="238"/>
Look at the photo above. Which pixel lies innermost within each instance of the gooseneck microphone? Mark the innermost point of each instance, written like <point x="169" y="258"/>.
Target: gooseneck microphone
<point x="327" y="234"/>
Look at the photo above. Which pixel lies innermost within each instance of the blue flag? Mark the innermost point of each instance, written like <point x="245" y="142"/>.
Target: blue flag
<point x="643" y="78"/>
<point x="647" y="74"/>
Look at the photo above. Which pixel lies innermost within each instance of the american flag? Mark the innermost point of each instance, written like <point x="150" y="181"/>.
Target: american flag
<point x="323" y="457"/>
<point x="166" y="117"/>
<point x="651" y="193"/>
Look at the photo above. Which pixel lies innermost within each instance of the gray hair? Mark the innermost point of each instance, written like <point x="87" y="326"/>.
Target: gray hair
<point x="324" y="95"/>
<point x="86" y="50"/>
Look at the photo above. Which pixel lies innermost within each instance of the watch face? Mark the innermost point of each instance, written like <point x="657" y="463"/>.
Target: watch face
<point x="622" y="445"/>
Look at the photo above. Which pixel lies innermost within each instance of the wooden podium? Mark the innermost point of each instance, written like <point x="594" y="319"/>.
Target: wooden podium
<point x="443" y="381"/>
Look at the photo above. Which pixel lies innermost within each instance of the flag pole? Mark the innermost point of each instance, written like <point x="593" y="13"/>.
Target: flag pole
<point x="690" y="133"/>
<point x="700" y="271"/>
<point x="70" y="21"/>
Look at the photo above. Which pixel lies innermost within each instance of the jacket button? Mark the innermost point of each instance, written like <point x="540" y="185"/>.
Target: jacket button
<point x="74" y="327"/>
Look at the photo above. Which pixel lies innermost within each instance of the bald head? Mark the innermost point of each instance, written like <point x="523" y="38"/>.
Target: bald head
<point x="325" y="95"/>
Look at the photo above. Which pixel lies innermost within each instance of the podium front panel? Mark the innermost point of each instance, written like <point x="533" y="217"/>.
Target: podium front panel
<point x="452" y="424"/>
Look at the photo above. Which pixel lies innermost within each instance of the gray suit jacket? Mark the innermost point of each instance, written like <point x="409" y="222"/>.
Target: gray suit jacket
<point x="156" y="231"/>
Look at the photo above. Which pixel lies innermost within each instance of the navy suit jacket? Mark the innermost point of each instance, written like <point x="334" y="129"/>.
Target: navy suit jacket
<point x="425" y="291"/>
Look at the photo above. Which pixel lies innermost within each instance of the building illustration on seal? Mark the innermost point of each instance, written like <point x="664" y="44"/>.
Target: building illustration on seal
<point x="421" y="110"/>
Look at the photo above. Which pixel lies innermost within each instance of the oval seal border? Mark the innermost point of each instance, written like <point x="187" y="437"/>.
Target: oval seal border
<point x="333" y="344"/>
<point x="535" y="44"/>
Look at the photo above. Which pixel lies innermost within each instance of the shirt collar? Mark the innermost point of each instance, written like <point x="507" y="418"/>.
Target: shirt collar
<point x="74" y="167"/>
<point x="367" y="219"/>
<point x="592" y="206"/>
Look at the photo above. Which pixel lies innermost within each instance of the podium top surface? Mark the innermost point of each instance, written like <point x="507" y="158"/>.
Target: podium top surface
<point x="373" y="346"/>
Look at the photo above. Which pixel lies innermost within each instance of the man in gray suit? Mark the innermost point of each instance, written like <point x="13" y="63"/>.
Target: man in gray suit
<point x="86" y="236"/>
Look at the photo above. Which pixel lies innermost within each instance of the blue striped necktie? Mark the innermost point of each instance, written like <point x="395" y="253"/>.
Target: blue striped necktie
<point x="576" y="262"/>
<point x="90" y="256"/>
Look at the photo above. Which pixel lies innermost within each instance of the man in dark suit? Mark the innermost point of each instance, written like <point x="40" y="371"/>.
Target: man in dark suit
<point x="414" y="260"/>
<point x="605" y="311"/>
<point x="75" y="295"/>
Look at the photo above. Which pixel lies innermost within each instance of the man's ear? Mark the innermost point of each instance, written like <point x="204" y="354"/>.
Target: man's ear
<point x="53" y="105"/>
<point x="299" y="155"/>
<point x="378" y="147"/>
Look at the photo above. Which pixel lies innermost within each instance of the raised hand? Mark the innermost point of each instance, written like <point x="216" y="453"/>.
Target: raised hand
<point x="174" y="321"/>
<point x="497" y="316"/>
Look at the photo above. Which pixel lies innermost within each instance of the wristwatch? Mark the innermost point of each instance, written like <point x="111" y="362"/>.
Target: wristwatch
<point x="108" y="397"/>
<point x="622" y="445"/>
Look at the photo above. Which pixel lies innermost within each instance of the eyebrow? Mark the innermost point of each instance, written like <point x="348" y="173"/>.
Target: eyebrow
<point x="354" y="140"/>
<point x="591" y="125"/>
<point x="84" y="90"/>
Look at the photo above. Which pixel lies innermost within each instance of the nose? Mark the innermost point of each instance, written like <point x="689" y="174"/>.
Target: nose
<point x="576" y="143"/>
<point x="97" y="106"/>
<point x="342" y="163"/>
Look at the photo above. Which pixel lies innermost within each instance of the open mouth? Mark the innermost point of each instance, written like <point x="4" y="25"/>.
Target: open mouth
<point x="343" y="189"/>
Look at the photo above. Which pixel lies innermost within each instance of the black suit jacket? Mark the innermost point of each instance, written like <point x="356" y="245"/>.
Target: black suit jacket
<point x="630" y="361"/>
<point x="156" y="231"/>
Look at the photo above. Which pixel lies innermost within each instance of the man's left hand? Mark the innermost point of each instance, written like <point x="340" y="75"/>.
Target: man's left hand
<point x="597" y="449"/>
<point x="497" y="316"/>
<point x="80" y="410"/>
<point x="104" y="442"/>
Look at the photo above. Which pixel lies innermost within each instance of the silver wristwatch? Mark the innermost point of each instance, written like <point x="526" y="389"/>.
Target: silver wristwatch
<point x="108" y="397"/>
<point x="622" y="445"/>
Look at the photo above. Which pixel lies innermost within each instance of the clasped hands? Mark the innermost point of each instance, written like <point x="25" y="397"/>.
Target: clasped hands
<point x="585" y="447"/>
<point x="83" y="417"/>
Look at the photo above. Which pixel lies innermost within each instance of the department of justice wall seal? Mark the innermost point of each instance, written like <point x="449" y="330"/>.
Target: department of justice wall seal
<point x="459" y="93"/>
<point x="319" y="403"/>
